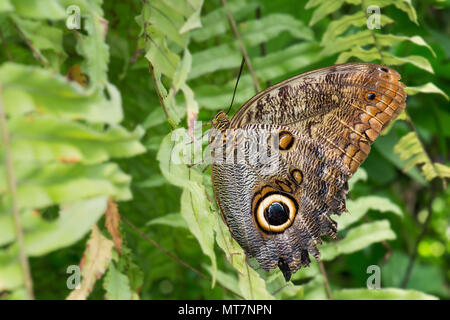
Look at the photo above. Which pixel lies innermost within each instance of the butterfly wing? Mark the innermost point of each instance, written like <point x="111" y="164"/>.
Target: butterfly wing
<point x="321" y="125"/>
<point x="304" y="182"/>
<point x="344" y="107"/>
<point x="246" y="182"/>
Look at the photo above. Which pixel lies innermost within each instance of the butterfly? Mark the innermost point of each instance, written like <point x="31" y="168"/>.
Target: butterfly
<point x="281" y="165"/>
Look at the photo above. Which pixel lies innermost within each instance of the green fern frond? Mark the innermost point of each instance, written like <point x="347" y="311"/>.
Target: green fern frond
<point x="410" y="149"/>
<point x="338" y="27"/>
<point x="165" y="31"/>
<point x="426" y="88"/>
<point x="210" y="61"/>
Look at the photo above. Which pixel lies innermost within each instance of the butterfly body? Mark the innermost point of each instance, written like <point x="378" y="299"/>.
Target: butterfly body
<point x="281" y="164"/>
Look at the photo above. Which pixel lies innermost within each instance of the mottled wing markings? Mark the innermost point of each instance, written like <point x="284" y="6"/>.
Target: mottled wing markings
<point x="334" y="114"/>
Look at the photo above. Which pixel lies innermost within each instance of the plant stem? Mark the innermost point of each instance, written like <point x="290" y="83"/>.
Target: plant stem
<point x="325" y="280"/>
<point x="26" y="273"/>
<point x="419" y="239"/>
<point x="160" y="95"/>
<point x="5" y="46"/>
<point x="35" y="52"/>
<point x="241" y="45"/>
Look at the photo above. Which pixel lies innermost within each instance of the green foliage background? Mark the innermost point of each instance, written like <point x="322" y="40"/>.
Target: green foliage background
<point x="152" y="68"/>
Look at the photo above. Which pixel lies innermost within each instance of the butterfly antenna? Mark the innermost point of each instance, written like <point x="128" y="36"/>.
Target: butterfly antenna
<point x="237" y="82"/>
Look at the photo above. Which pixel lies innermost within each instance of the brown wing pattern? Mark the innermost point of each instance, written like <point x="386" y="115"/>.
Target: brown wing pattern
<point x="325" y="122"/>
<point x="344" y="107"/>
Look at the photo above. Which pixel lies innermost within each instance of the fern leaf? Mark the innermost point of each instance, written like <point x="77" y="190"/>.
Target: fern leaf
<point x="169" y="26"/>
<point x="360" y="38"/>
<point x="253" y="32"/>
<point x="426" y="88"/>
<point x="404" y="5"/>
<point x="382" y="294"/>
<point x="358" y="238"/>
<point x="324" y="9"/>
<point x="251" y="285"/>
<point x="215" y="23"/>
<point x="262" y="30"/>
<point x="360" y="53"/>
<point x="410" y="149"/>
<point x="388" y="58"/>
<point x="195" y="206"/>
<point x="390" y="40"/>
<point x="338" y="27"/>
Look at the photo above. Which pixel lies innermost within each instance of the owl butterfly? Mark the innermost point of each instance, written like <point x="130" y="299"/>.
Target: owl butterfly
<point x="315" y="130"/>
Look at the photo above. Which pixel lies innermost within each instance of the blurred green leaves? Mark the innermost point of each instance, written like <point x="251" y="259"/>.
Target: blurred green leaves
<point x="57" y="159"/>
<point x="250" y="284"/>
<point x="195" y="207"/>
<point x="426" y="88"/>
<point x="226" y="55"/>
<point x="358" y="238"/>
<point x="44" y="92"/>
<point x="67" y="140"/>
<point x="117" y="285"/>
<point x="359" y="207"/>
<point x="381" y="294"/>
<point x="49" y="139"/>
<point x="424" y="277"/>
<point x="410" y="148"/>
<point x="165" y="31"/>
<point x="62" y="137"/>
